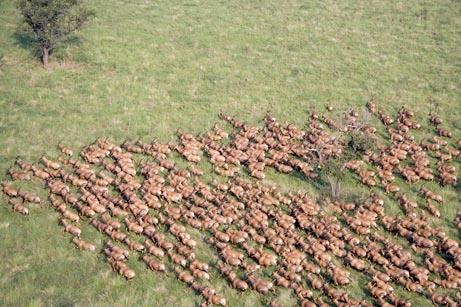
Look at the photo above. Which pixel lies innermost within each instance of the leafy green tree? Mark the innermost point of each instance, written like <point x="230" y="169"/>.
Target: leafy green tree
<point x="52" y="21"/>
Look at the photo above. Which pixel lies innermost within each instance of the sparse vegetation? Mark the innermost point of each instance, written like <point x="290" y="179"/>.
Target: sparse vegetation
<point x="333" y="171"/>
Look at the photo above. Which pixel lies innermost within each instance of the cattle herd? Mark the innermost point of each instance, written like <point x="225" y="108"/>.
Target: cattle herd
<point x="146" y="205"/>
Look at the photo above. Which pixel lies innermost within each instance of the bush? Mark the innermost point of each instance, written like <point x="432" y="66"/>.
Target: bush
<point x="358" y="143"/>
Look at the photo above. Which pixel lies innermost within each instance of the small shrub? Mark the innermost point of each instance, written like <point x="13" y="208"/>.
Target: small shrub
<point x="358" y="143"/>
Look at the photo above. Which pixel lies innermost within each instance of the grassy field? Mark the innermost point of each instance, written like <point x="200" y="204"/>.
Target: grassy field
<point x="142" y="69"/>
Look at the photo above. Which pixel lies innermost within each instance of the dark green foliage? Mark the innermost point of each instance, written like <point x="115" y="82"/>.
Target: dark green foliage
<point x="52" y="21"/>
<point x="333" y="168"/>
<point x="358" y="143"/>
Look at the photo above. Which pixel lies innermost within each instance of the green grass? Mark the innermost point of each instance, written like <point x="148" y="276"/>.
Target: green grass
<point x="142" y="69"/>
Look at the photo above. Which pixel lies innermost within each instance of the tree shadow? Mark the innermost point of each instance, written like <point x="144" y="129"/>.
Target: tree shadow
<point x="25" y="40"/>
<point x="457" y="188"/>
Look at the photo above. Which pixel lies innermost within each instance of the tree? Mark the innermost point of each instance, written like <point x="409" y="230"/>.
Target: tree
<point x="333" y="171"/>
<point x="52" y="21"/>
